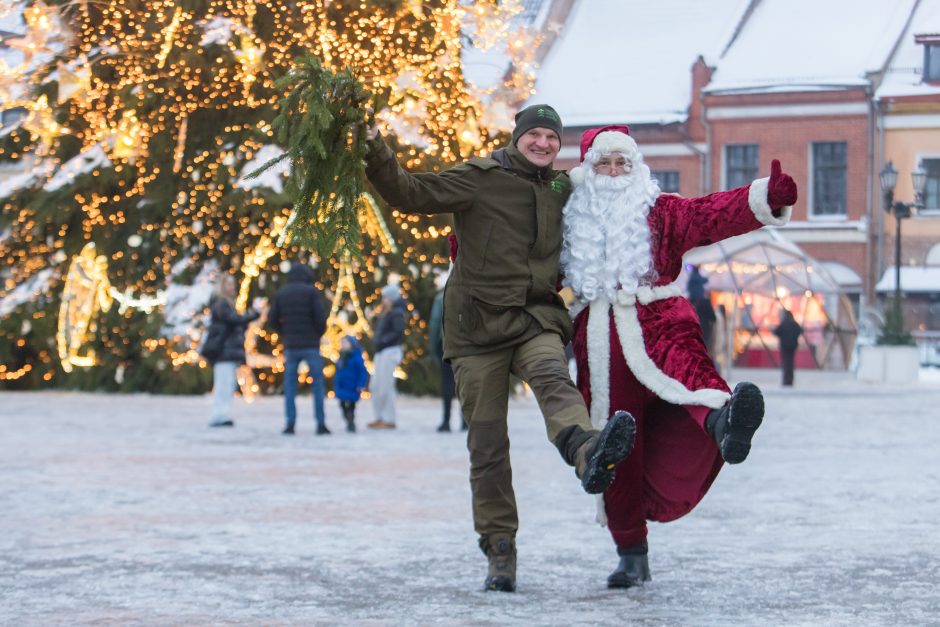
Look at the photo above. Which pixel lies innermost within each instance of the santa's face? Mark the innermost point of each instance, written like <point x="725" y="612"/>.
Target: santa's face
<point x="540" y="146"/>
<point x="613" y="164"/>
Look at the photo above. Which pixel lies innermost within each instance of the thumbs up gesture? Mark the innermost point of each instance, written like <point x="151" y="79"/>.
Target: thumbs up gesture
<point x="781" y="191"/>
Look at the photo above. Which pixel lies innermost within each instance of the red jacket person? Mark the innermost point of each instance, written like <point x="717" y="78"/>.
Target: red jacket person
<point x="638" y="342"/>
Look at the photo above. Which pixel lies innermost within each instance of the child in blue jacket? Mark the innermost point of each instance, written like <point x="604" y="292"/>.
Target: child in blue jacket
<point x="351" y="378"/>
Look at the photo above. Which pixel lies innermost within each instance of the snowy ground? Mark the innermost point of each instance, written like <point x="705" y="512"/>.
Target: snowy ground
<point x="129" y="510"/>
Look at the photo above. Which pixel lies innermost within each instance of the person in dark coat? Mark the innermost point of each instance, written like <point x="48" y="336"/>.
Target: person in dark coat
<point x="436" y="345"/>
<point x="789" y="332"/>
<point x="230" y="325"/>
<point x="298" y="316"/>
<point x="389" y="334"/>
<point x="350" y="379"/>
<point x="695" y="285"/>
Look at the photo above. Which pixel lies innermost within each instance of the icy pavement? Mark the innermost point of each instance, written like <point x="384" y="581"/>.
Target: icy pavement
<point x="129" y="510"/>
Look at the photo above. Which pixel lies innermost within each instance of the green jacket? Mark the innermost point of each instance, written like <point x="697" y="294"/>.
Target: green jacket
<point x="507" y="219"/>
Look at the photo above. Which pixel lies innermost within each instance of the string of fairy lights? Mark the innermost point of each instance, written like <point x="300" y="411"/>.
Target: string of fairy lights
<point x="121" y="76"/>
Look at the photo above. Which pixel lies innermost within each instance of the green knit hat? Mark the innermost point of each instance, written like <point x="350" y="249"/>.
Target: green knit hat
<point x="536" y="116"/>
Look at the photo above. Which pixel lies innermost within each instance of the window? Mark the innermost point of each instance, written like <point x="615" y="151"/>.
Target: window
<point x="668" y="180"/>
<point x="932" y="188"/>
<point x="931" y="64"/>
<point x="829" y="179"/>
<point x="740" y="165"/>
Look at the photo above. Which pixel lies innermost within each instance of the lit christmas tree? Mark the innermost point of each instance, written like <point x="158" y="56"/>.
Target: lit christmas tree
<point x="141" y="121"/>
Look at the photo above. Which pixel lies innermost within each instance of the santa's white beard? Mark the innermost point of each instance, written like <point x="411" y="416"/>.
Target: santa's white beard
<point x="606" y="236"/>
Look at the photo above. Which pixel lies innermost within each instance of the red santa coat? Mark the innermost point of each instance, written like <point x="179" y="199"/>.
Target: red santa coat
<point x="654" y="338"/>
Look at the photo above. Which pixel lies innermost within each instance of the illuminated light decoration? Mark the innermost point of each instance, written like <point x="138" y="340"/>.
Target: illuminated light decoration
<point x="373" y="224"/>
<point x="180" y="151"/>
<point x="74" y="84"/>
<point x="40" y="122"/>
<point x="469" y="136"/>
<point x="417" y="8"/>
<point x="250" y="57"/>
<point x="13" y="375"/>
<point x="337" y="323"/>
<point x="169" y="36"/>
<point x="255" y="260"/>
<point x="86" y="290"/>
<point x="126" y="138"/>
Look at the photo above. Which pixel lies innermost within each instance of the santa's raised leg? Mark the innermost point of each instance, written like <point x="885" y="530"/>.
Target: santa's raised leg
<point x="638" y="343"/>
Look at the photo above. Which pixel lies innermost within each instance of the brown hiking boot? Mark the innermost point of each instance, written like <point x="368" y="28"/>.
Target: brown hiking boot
<point x="500" y="549"/>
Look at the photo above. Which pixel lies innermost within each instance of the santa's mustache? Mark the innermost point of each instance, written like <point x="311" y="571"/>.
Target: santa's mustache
<point x="606" y="185"/>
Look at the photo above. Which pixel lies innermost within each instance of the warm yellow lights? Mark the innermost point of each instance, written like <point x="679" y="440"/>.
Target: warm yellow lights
<point x="178" y="108"/>
<point x="168" y="37"/>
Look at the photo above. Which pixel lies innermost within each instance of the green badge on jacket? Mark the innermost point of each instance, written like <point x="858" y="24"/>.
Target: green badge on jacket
<point x="557" y="186"/>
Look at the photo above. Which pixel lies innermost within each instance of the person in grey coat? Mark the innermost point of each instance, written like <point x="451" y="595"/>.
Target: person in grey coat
<point x="389" y="334"/>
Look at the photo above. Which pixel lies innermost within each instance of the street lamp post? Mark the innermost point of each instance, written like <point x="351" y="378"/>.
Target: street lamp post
<point x="900" y="210"/>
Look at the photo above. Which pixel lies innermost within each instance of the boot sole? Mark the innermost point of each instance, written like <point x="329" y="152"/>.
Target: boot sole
<point x="746" y="414"/>
<point x="615" y="445"/>
<point x="499" y="584"/>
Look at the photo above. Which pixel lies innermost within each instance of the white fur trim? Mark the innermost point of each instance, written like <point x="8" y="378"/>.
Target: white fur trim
<point x="647" y="373"/>
<point x="757" y="199"/>
<point x="614" y="141"/>
<point x="577" y="176"/>
<point x="598" y="341"/>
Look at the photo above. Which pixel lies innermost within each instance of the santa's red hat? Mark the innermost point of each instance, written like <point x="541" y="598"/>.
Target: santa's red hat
<point x="603" y="141"/>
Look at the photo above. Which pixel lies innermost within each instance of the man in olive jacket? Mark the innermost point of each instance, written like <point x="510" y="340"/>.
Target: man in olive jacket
<point x="503" y="315"/>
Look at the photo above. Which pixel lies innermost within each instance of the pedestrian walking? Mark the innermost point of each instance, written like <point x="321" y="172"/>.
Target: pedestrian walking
<point x="503" y="315"/>
<point x="350" y="379"/>
<point x="298" y="316"/>
<point x="788" y="332"/>
<point x="224" y="347"/>
<point x="389" y="335"/>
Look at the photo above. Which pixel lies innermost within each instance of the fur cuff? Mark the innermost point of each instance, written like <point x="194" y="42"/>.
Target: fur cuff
<point x="757" y="199"/>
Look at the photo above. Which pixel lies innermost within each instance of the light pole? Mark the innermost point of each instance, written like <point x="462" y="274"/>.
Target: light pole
<point x="900" y="210"/>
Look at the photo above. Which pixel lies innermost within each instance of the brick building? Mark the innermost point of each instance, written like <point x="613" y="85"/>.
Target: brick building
<point x="713" y="93"/>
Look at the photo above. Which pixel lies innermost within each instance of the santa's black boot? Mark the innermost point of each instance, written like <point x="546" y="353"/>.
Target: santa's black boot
<point x="500" y="550"/>
<point x="633" y="569"/>
<point x="607" y="449"/>
<point x="733" y="425"/>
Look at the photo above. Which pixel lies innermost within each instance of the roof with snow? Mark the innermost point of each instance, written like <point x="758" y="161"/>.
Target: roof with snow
<point x="924" y="279"/>
<point x="905" y="73"/>
<point x="808" y="44"/>
<point x="630" y="60"/>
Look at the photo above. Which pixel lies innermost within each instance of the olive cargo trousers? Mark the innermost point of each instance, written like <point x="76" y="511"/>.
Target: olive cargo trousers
<point x="483" y="390"/>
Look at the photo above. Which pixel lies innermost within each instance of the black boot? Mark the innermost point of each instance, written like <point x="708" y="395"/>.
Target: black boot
<point x="322" y="430"/>
<point x="607" y="449"/>
<point x="734" y="425"/>
<point x="500" y="550"/>
<point x="633" y="569"/>
<point x="444" y="427"/>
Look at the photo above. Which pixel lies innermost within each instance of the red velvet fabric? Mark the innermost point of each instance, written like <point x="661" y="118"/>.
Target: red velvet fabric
<point x="674" y="461"/>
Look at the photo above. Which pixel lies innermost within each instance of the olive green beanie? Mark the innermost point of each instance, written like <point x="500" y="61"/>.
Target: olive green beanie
<point x="536" y="116"/>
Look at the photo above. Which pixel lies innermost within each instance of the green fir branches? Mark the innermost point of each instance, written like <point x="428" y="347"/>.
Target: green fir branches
<point x="319" y="121"/>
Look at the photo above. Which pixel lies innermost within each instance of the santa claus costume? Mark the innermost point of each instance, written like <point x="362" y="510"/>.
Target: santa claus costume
<point x="638" y="343"/>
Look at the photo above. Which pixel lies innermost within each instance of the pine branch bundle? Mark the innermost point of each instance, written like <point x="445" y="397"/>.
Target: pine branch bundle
<point x="319" y="120"/>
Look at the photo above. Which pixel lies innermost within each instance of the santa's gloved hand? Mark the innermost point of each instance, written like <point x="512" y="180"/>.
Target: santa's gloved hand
<point x="781" y="191"/>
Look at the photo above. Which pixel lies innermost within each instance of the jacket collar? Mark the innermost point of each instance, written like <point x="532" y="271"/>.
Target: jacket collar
<point x="509" y="158"/>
